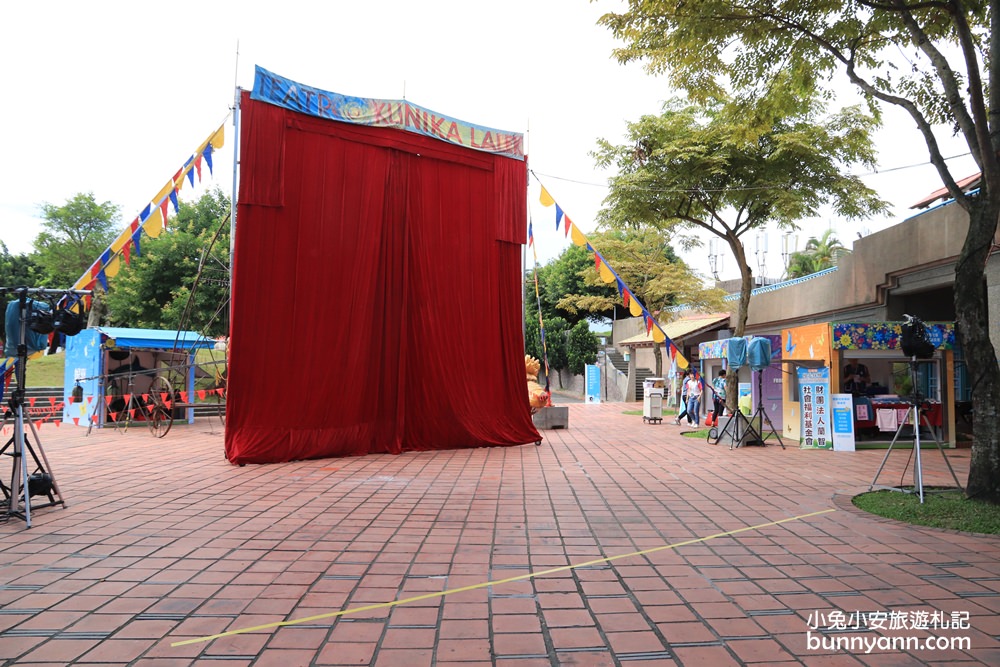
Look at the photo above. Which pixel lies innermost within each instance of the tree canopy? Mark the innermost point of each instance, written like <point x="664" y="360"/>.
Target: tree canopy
<point x="73" y="235"/>
<point x="937" y="61"/>
<point x="155" y="291"/>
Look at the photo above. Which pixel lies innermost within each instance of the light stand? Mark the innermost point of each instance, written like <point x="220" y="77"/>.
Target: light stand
<point x="760" y="412"/>
<point x="914" y="404"/>
<point x="41" y="482"/>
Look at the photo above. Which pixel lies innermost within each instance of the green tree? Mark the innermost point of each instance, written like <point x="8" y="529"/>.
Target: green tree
<point x="581" y="348"/>
<point x="18" y="270"/>
<point x="74" y="235"/>
<point x="646" y="262"/>
<point x="727" y="168"/>
<point x="189" y="258"/>
<point x="570" y="274"/>
<point x="556" y="331"/>
<point x="819" y="254"/>
<point x="937" y="61"/>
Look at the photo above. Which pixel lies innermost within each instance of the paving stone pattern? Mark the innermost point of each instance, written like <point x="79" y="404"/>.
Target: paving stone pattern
<point x="164" y="541"/>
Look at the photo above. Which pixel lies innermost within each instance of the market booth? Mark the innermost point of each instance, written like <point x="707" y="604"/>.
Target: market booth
<point x="815" y="356"/>
<point x="109" y="363"/>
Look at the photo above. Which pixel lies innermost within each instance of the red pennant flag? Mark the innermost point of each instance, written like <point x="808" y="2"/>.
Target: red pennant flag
<point x="201" y="394"/>
<point x="93" y="418"/>
<point x="145" y="398"/>
<point x="71" y="400"/>
<point x="163" y="210"/>
<point x="131" y="413"/>
<point x="184" y="397"/>
<point x="52" y="401"/>
<point x="57" y="422"/>
<point x="127" y="251"/>
<point x="167" y="404"/>
<point x="163" y="396"/>
<point x="114" y="416"/>
<point x="220" y="391"/>
<point x="649" y="324"/>
<point x="625" y="298"/>
<point x="31" y="400"/>
<point x="197" y="166"/>
<point x="108" y="399"/>
<point x="89" y="399"/>
<point x="76" y="421"/>
<point x="87" y="299"/>
<point x="569" y="223"/>
<point x="38" y="424"/>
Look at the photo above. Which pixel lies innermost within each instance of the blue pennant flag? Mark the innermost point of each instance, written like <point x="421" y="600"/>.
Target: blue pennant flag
<point x="207" y="154"/>
<point x="559" y="216"/>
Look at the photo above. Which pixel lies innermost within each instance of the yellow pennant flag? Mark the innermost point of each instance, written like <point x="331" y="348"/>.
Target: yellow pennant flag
<point x="546" y="198"/>
<point x="218" y="140"/>
<point x="112" y="267"/>
<point x="606" y="274"/>
<point x="682" y="363"/>
<point x="658" y="335"/>
<point x="578" y="237"/>
<point x="119" y="243"/>
<point x="162" y="194"/>
<point x="634" y="307"/>
<point x="154" y="224"/>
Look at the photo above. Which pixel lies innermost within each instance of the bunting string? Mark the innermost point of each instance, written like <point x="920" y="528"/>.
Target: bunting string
<point x="608" y="275"/>
<point x="153" y="219"/>
<point x="538" y="300"/>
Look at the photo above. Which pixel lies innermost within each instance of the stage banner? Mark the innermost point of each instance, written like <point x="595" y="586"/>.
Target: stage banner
<point x="592" y="378"/>
<point x="400" y="114"/>
<point x="843" y="422"/>
<point x="814" y="395"/>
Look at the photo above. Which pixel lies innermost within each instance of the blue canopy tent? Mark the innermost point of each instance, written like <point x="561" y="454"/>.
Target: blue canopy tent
<point x="110" y="362"/>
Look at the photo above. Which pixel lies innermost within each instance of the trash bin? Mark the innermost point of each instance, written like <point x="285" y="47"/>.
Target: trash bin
<point x="652" y="400"/>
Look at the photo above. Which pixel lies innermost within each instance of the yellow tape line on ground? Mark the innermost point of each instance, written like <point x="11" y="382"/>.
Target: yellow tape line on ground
<point x="530" y="575"/>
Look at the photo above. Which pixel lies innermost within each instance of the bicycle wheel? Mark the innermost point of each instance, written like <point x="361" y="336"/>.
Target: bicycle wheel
<point x="160" y="420"/>
<point x="160" y="391"/>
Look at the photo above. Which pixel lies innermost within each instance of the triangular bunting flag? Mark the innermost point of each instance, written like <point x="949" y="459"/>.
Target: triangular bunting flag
<point x="145" y="213"/>
<point x="649" y="324"/>
<point x="545" y="198"/>
<point x="108" y="399"/>
<point x="153" y="224"/>
<point x="531" y="235"/>
<point x="184" y="397"/>
<point x="173" y="200"/>
<point x="569" y="223"/>
<point x="634" y="307"/>
<point x="577" y="236"/>
<point x="52" y="401"/>
<point x="127" y="252"/>
<point x="559" y="215"/>
<point x="201" y="394"/>
<point x="207" y="154"/>
<point x="136" y="235"/>
<point x="625" y="298"/>
<point x="163" y="212"/>
<point x="31" y="400"/>
<point x="197" y="165"/>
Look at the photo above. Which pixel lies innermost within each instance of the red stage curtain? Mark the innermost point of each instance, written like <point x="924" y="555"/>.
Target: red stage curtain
<point x="376" y="293"/>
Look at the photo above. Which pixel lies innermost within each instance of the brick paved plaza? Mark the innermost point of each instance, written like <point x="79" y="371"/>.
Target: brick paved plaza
<point x="163" y="541"/>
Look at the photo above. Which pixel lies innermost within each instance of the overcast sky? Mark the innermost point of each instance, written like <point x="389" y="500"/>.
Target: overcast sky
<point x="113" y="97"/>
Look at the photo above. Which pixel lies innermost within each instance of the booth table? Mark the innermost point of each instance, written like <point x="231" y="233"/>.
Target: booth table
<point x="872" y="413"/>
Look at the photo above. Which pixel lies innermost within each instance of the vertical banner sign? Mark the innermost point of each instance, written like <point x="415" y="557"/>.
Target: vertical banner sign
<point x="814" y="397"/>
<point x="843" y="422"/>
<point x="592" y="377"/>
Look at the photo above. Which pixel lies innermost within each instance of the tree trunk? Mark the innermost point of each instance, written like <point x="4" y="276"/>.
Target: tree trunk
<point x="658" y="356"/>
<point x="742" y="311"/>
<point x="972" y="318"/>
<point x="96" y="308"/>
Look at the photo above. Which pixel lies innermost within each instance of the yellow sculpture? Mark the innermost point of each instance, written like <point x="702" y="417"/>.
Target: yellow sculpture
<point x="537" y="396"/>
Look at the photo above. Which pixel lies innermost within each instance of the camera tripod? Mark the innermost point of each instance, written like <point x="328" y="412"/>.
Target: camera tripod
<point x="914" y="407"/>
<point x="41" y="481"/>
<point x="741" y="427"/>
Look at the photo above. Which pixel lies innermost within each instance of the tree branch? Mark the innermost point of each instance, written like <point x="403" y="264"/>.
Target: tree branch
<point x="976" y="134"/>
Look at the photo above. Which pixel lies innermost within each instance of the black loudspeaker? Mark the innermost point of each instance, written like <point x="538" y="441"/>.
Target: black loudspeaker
<point x="914" y="339"/>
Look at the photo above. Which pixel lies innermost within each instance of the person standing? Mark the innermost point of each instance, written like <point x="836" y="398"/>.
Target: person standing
<point x="694" y="389"/>
<point x="856" y="377"/>
<point x="682" y="405"/>
<point x="718" y="396"/>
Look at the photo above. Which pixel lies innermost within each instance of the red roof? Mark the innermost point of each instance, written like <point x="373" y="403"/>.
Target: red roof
<point x="966" y="184"/>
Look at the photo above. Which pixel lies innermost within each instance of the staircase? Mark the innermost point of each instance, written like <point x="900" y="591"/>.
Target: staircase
<point x="618" y="361"/>
<point x="640" y="375"/>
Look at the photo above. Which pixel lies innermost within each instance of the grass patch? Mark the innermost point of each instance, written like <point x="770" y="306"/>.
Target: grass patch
<point x="638" y="413"/>
<point x="45" y="371"/>
<point x="941" y="509"/>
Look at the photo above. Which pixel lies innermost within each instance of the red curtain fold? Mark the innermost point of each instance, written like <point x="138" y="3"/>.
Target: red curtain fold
<point x="376" y="293"/>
